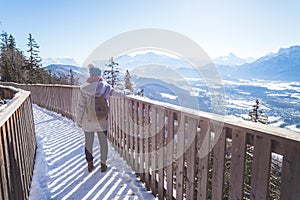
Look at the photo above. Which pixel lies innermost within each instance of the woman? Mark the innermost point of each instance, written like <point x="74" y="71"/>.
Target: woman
<point x="94" y="85"/>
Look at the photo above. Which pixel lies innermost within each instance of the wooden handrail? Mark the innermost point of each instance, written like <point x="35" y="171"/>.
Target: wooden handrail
<point x="18" y="144"/>
<point x="183" y="153"/>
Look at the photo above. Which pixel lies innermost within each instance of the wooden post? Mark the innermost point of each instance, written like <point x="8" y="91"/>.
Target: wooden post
<point x="218" y="163"/>
<point x="290" y="184"/>
<point x="260" y="168"/>
<point x="169" y="154"/>
<point x="153" y="131"/>
<point x="180" y="144"/>
<point x="191" y="157"/>
<point x="237" y="165"/>
<point x="203" y="155"/>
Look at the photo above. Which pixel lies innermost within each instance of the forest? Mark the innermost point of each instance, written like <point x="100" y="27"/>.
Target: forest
<point x="25" y="67"/>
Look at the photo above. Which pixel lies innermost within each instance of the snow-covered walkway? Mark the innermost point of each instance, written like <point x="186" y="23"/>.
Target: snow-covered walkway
<point x="60" y="170"/>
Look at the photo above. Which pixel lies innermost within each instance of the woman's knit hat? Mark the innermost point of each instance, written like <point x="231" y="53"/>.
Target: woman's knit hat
<point x="94" y="71"/>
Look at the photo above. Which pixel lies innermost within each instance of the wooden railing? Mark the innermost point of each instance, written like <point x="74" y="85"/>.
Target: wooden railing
<point x="181" y="153"/>
<point x="59" y="98"/>
<point x="17" y="144"/>
<point x="186" y="154"/>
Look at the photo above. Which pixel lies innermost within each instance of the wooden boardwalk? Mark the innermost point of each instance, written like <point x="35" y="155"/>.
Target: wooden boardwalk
<point x="61" y="171"/>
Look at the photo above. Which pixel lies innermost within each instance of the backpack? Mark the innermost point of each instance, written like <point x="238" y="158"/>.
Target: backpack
<point x="97" y="108"/>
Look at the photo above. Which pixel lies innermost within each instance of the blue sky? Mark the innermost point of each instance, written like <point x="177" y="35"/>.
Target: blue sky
<point x="74" y="28"/>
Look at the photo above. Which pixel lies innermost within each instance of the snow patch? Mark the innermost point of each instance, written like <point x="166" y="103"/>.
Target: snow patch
<point x="60" y="170"/>
<point x="168" y="96"/>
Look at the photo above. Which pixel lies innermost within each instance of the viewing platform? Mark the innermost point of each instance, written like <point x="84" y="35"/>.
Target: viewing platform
<point x="177" y="153"/>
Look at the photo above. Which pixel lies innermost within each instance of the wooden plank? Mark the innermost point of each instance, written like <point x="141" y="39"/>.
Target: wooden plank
<point x="112" y="106"/>
<point x="147" y="146"/>
<point x="4" y="176"/>
<point x="260" y="168"/>
<point x="191" y="157"/>
<point x="169" y="154"/>
<point x="136" y="139"/>
<point x="21" y="147"/>
<point x="131" y="134"/>
<point x="119" y="126"/>
<point x="6" y="155"/>
<point x="203" y="156"/>
<point x="126" y="130"/>
<point x="161" y="153"/>
<point x="237" y="165"/>
<point x="17" y="193"/>
<point x="115" y="122"/>
<point x="120" y="123"/>
<point x="1" y="189"/>
<point x="218" y="162"/>
<point x="290" y="181"/>
<point x="113" y="119"/>
<point x="18" y="151"/>
<point x="180" y="143"/>
<point x="124" y="121"/>
<point x="123" y="118"/>
<point x="24" y="133"/>
<point x="153" y="132"/>
<point x="141" y="136"/>
<point x="27" y="149"/>
<point x="11" y="167"/>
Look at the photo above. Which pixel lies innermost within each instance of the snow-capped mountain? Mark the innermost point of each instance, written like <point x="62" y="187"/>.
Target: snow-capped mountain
<point x="283" y="65"/>
<point x="59" y="69"/>
<point x="150" y="58"/>
<point x="63" y="61"/>
<point x="278" y="96"/>
<point x="232" y="60"/>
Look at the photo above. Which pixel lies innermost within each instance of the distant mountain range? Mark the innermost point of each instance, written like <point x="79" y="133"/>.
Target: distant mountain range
<point x="232" y="60"/>
<point x="59" y="69"/>
<point x="64" y="61"/>
<point x="283" y="65"/>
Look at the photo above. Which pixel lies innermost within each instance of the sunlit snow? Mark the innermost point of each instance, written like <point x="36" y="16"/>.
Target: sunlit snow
<point x="60" y="170"/>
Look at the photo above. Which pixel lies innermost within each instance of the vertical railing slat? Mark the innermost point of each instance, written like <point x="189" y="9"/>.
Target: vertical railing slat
<point x="4" y="174"/>
<point x="218" y="162"/>
<point x="237" y="165"/>
<point x="161" y="154"/>
<point x="18" y="150"/>
<point x="203" y="156"/>
<point x="290" y="184"/>
<point x="153" y="133"/>
<point x="260" y="168"/>
<point x="180" y="157"/>
<point x="169" y="154"/>
<point x="131" y="133"/>
<point x="126" y="129"/>
<point x="136" y="138"/>
<point x="141" y="136"/>
<point x="147" y="145"/>
<point x="191" y="157"/>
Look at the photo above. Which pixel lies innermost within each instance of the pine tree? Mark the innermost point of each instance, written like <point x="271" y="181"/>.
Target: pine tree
<point x="11" y="60"/>
<point x="4" y="41"/>
<point x="73" y="80"/>
<point x="33" y="61"/>
<point x="4" y="69"/>
<point x="128" y="83"/>
<point x="112" y="73"/>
